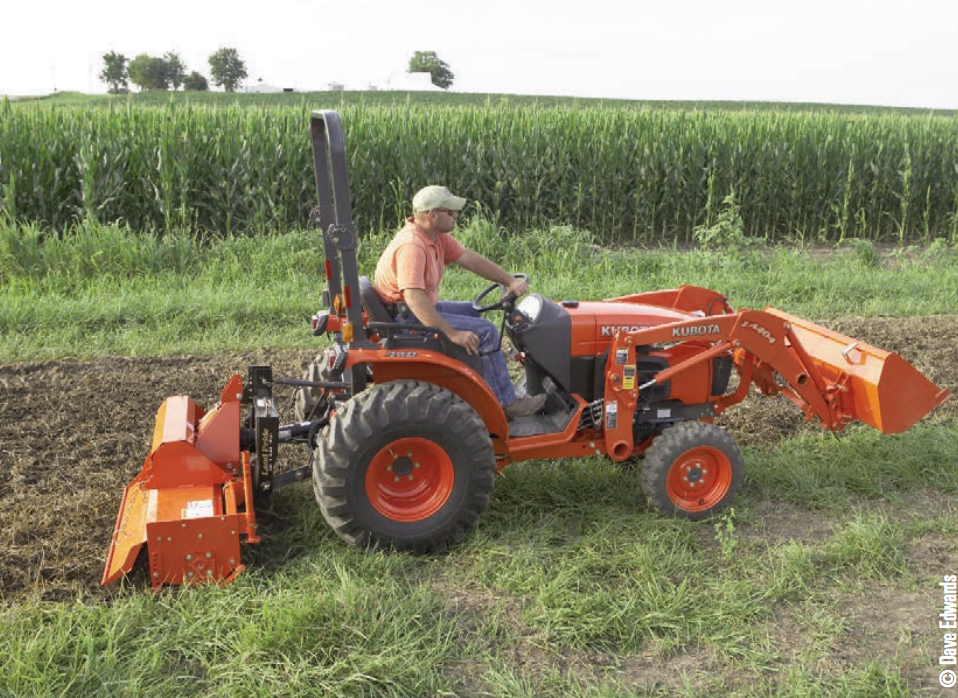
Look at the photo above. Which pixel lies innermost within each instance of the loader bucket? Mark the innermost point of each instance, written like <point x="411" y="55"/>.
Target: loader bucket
<point x="878" y="387"/>
<point x="193" y="498"/>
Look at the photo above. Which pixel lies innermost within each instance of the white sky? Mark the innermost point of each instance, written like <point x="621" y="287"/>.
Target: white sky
<point x="840" y="51"/>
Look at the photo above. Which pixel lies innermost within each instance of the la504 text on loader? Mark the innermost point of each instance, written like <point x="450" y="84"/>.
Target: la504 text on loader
<point x="403" y="438"/>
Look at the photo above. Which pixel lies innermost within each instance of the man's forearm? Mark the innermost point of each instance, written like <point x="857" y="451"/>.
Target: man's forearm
<point x="486" y="268"/>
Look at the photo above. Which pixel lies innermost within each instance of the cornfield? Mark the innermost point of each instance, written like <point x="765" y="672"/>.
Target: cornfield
<point x="626" y="172"/>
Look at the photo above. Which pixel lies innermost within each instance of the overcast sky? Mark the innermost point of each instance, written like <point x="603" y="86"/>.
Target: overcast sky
<point x="837" y="51"/>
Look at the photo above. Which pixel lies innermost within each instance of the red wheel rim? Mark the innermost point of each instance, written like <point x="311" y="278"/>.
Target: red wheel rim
<point x="699" y="479"/>
<point x="410" y="480"/>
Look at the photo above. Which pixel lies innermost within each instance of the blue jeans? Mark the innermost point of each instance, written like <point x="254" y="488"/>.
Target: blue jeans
<point x="461" y="316"/>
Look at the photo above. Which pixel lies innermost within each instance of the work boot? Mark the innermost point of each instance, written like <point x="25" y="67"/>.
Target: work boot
<point x="525" y="405"/>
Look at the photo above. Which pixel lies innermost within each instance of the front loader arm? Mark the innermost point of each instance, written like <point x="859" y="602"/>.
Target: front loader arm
<point x="828" y="375"/>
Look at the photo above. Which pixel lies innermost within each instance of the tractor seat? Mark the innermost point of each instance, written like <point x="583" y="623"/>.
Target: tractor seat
<point x="373" y="303"/>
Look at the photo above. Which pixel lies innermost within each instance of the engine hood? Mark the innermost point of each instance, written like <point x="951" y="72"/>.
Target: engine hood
<point x="594" y="323"/>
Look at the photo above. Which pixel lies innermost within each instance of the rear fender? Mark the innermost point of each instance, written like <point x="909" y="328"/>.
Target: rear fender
<point x="437" y="368"/>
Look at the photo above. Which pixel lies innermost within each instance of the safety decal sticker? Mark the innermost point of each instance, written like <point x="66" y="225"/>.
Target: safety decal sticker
<point x="628" y="377"/>
<point x="611" y="415"/>
<point x="197" y="509"/>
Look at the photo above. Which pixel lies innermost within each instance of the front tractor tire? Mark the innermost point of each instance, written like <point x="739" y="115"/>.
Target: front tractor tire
<point x="405" y="465"/>
<point x="692" y="470"/>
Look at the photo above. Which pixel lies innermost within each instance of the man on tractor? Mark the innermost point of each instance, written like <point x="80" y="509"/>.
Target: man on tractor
<point x="408" y="276"/>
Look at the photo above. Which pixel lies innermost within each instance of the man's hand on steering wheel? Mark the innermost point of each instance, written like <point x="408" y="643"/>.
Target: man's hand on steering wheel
<point x="518" y="286"/>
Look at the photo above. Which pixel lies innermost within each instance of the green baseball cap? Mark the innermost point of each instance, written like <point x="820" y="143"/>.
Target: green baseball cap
<point x="433" y="196"/>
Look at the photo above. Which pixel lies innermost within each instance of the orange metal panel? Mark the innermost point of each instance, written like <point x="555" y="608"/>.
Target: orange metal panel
<point x="184" y="503"/>
<point x="198" y="551"/>
<point x="129" y="534"/>
<point x="594" y="323"/>
<point x="217" y="435"/>
<point x="621" y="394"/>
<point x="685" y="298"/>
<point x="176" y="420"/>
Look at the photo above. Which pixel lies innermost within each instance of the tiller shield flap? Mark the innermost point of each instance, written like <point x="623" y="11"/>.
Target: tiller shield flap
<point x="878" y="387"/>
<point x="193" y="498"/>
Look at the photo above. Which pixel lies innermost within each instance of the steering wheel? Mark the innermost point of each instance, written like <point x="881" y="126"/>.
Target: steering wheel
<point x="506" y="300"/>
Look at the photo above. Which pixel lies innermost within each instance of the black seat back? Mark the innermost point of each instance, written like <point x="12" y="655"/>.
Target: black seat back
<point x="372" y="302"/>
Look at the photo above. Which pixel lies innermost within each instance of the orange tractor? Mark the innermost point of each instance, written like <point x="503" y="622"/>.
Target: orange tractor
<point x="404" y="438"/>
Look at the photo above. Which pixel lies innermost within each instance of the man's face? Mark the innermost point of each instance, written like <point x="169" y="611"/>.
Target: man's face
<point x="444" y="219"/>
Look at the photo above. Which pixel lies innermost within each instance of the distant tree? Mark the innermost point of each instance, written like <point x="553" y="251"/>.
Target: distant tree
<point x="149" y="72"/>
<point x="115" y="73"/>
<point x="429" y="62"/>
<point x="227" y="68"/>
<point x="194" y="82"/>
<point x="175" y="69"/>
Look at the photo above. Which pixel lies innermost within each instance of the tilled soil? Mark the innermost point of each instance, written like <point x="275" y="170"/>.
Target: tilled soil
<point x="74" y="433"/>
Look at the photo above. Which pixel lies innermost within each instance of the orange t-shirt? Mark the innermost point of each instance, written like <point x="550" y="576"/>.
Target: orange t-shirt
<point x="412" y="260"/>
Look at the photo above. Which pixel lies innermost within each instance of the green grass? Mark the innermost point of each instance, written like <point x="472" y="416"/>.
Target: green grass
<point x="105" y="290"/>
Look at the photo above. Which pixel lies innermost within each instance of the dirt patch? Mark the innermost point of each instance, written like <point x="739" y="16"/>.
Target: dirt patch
<point x="73" y="434"/>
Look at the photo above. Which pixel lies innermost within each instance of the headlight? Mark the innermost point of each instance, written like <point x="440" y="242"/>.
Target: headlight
<point x="531" y="306"/>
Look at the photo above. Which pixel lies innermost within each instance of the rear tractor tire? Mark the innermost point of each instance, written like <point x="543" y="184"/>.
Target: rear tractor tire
<point x="405" y="465"/>
<point x="692" y="470"/>
<point x="306" y="399"/>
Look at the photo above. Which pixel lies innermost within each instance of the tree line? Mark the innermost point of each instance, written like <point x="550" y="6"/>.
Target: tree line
<point x="166" y="72"/>
<point x="227" y="70"/>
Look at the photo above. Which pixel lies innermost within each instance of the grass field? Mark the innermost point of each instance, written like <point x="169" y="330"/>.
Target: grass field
<point x="108" y="290"/>
<point x="822" y="580"/>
